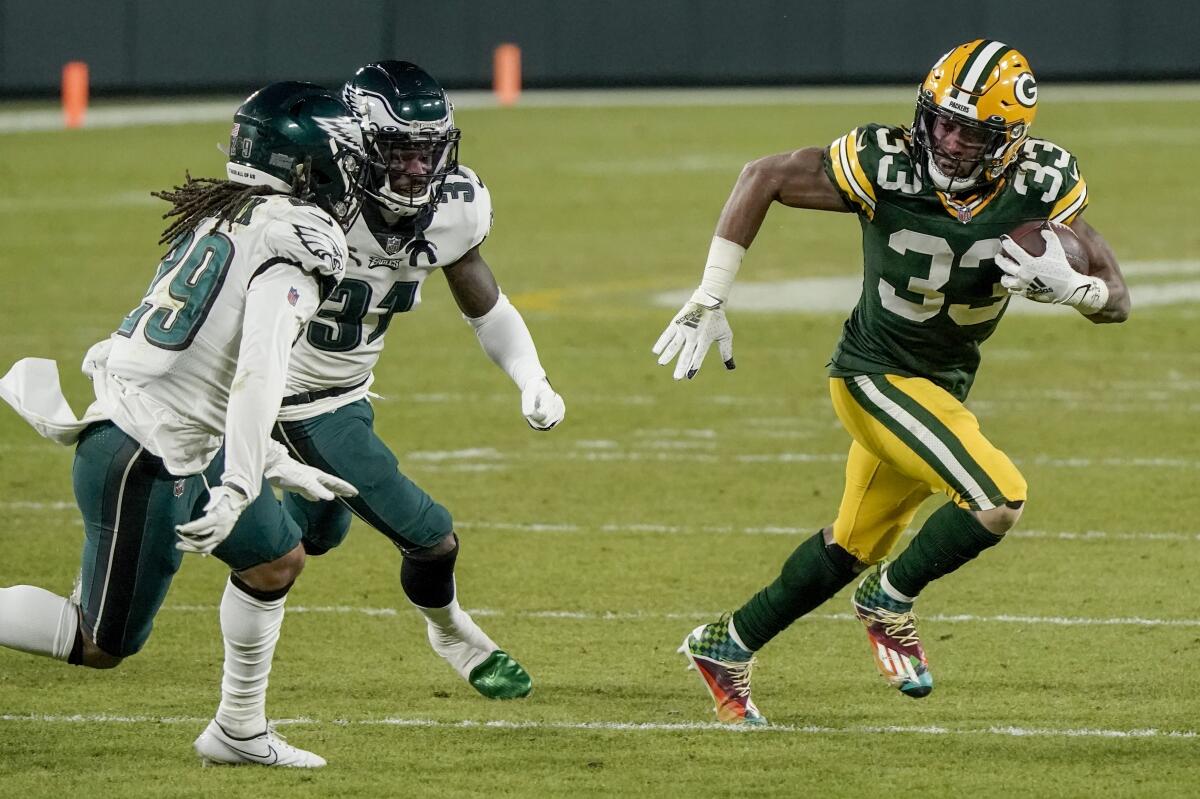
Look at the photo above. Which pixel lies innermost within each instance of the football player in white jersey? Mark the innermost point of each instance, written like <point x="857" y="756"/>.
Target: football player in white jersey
<point x="425" y="212"/>
<point x="177" y="445"/>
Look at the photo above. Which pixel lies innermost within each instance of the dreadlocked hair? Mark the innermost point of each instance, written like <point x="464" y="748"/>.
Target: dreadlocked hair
<point x="200" y="198"/>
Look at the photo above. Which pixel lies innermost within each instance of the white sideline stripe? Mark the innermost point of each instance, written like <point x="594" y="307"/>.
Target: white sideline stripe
<point x="636" y="726"/>
<point x="715" y="529"/>
<point x="840" y="293"/>
<point x="106" y="115"/>
<point x="583" y="615"/>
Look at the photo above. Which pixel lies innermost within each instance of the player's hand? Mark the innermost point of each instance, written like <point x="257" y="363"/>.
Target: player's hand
<point x="541" y="405"/>
<point x="221" y="512"/>
<point x="698" y="324"/>
<point x="313" y="484"/>
<point x="1048" y="277"/>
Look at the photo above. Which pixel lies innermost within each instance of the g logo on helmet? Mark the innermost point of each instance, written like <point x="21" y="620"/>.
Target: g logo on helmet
<point x="1025" y="89"/>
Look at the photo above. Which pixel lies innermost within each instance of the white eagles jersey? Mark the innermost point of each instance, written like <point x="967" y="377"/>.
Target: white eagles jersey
<point x="171" y="368"/>
<point x="388" y="264"/>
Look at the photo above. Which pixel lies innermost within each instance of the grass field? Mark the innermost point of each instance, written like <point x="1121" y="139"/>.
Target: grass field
<point x="1065" y="658"/>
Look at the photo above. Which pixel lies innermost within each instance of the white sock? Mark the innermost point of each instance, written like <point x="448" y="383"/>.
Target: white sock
<point x="36" y="621"/>
<point x="737" y="639"/>
<point x="251" y="629"/>
<point x="455" y="636"/>
<point x="891" y="591"/>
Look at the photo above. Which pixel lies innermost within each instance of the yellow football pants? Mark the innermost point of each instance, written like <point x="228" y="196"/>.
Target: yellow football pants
<point x="911" y="439"/>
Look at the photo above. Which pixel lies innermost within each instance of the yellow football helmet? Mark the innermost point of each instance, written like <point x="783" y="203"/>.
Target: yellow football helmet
<point x="973" y="114"/>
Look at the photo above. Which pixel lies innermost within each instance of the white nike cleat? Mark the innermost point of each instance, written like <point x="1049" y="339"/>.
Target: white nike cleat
<point x="218" y="748"/>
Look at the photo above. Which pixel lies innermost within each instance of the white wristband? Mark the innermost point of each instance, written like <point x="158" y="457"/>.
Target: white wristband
<point x="1093" y="298"/>
<point x="724" y="259"/>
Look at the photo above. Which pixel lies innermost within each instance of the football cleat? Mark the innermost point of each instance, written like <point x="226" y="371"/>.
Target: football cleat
<point x="218" y="748"/>
<point x="725" y="667"/>
<point x="489" y="669"/>
<point x="892" y="631"/>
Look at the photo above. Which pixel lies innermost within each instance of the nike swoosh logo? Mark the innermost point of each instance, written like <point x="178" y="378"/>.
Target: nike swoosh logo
<point x="269" y="759"/>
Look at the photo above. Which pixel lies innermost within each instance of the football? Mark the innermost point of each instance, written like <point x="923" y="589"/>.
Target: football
<point x="1028" y="236"/>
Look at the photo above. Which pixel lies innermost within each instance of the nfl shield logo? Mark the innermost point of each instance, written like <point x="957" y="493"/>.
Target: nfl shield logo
<point x="393" y="245"/>
<point x="178" y="490"/>
<point x="293" y="296"/>
<point x="963" y="213"/>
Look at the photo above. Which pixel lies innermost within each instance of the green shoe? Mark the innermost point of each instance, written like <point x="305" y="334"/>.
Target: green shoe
<point x="501" y="677"/>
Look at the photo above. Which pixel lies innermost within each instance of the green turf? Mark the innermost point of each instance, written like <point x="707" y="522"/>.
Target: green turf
<point x="661" y="503"/>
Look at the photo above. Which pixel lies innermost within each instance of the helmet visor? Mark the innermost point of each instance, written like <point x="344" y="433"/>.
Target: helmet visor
<point x="959" y="148"/>
<point x="411" y="168"/>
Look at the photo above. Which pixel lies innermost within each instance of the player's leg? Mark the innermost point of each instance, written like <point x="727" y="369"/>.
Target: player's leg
<point x="924" y="433"/>
<point x="129" y="509"/>
<point x="265" y="557"/>
<point x="877" y="505"/>
<point x="344" y="443"/>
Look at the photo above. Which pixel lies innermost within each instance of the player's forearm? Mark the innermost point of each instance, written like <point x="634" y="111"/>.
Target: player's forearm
<point x="505" y="338"/>
<point x="268" y="332"/>
<point x="1104" y="266"/>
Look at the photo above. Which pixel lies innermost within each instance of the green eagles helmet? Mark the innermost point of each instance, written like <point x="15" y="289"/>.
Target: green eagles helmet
<point x="411" y="141"/>
<point x="299" y="138"/>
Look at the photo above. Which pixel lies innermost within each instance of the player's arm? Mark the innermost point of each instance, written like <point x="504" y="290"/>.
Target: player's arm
<point x="796" y="179"/>
<point x="1103" y="264"/>
<point x="282" y="295"/>
<point x="504" y="336"/>
<point x="270" y="325"/>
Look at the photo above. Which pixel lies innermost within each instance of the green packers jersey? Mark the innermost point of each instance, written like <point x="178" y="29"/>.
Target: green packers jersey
<point x="931" y="291"/>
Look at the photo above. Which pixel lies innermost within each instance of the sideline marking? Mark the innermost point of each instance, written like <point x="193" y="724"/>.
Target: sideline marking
<point x="839" y="294"/>
<point x="711" y="529"/>
<point x="103" y="114"/>
<point x="583" y="615"/>
<point x="639" y="726"/>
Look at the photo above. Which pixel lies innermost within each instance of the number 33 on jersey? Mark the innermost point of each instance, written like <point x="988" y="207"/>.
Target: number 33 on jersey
<point x="931" y="291"/>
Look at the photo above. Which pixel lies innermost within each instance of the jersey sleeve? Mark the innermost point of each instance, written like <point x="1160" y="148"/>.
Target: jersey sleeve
<point x="1049" y="176"/>
<point x="277" y="306"/>
<point x="848" y="165"/>
<point x="468" y="189"/>
<point x="307" y="238"/>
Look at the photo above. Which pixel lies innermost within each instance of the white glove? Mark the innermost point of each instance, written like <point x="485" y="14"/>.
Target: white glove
<point x="311" y="483"/>
<point x="698" y="324"/>
<point x="541" y="405"/>
<point x="1048" y="277"/>
<point x="203" y="535"/>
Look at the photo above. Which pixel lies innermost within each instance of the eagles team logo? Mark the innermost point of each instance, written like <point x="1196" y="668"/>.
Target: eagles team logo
<point x="1025" y="88"/>
<point x="321" y="245"/>
<point x="343" y="130"/>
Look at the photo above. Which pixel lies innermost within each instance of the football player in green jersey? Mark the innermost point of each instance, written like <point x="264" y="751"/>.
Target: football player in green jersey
<point x="935" y="202"/>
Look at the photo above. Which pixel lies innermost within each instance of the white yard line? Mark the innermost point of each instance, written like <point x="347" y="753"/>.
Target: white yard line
<point x="657" y="528"/>
<point x="106" y="114"/>
<point x="635" y="726"/>
<point x="698" y="615"/>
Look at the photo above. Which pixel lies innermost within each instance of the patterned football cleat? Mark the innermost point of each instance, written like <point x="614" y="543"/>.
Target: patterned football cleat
<point x="218" y="748"/>
<point x="892" y="630"/>
<point x="725" y="667"/>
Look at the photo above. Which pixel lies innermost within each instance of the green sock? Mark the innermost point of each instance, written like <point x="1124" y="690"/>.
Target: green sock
<point x="948" y="539"/>
<point x="810" y="575"/>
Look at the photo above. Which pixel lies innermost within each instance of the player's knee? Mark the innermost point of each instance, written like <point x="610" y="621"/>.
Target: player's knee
<point x="444" y="549"/>
<point x="96" y="658"/>
<point x="1001" y="519"/>
<point x="276" y="575"/>
<point x="839" y="556"/>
